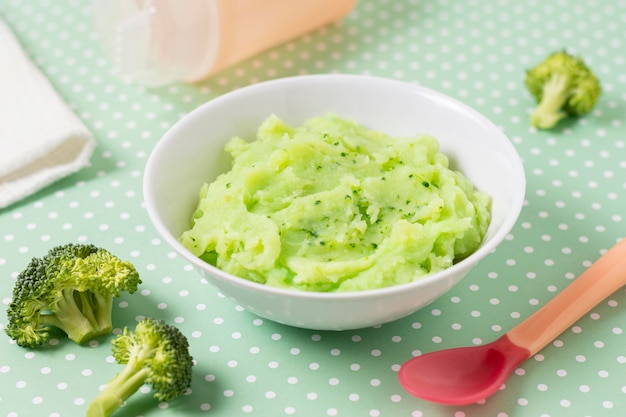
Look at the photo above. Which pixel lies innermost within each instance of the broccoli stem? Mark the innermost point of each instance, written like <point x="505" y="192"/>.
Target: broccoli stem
<point x="549" y="111"/>
<point x="103" y="306"/>
<point x="82" y="315"/>
<point x="120" y="388"/>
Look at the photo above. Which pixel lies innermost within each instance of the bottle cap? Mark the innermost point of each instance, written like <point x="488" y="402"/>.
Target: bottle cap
<point x="157" y="42"/>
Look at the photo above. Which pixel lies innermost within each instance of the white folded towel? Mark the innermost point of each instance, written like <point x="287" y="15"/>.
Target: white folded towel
<point x="41" y="139"/>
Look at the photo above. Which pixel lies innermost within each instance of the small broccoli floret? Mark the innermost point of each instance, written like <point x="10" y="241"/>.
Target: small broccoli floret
<point x="157" y="354"/>
<point x="563" y="86"/>
<point x="72" y="288"/>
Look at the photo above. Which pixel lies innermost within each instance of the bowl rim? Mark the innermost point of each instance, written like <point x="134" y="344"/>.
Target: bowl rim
<point x="481" y="252"/>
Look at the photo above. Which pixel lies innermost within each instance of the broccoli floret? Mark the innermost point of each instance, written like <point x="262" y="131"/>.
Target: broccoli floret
<point x="156" y="353"/>
<point x="71" y="288"/>
<point x="563" y="86"/>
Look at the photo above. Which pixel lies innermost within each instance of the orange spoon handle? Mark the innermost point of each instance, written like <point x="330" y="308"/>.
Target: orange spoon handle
<point x="603" y="278"/>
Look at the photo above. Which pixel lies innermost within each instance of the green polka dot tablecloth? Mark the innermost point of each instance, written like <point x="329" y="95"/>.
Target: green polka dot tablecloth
<point x="476" y="51"/>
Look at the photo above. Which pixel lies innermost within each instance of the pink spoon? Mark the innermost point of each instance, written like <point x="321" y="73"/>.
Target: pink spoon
<point x="469" y="374"/>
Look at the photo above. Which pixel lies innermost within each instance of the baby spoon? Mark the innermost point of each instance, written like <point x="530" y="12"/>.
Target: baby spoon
<point x="469" y="374"/>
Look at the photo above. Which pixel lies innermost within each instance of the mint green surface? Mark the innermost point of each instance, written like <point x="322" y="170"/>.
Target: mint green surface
<point x="476" y="51"/>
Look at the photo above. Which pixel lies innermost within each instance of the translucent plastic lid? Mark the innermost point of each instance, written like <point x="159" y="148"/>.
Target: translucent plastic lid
<point x="156" y="42"/>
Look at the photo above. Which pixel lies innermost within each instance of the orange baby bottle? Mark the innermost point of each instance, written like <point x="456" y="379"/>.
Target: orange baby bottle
<point x="156" y="42"/>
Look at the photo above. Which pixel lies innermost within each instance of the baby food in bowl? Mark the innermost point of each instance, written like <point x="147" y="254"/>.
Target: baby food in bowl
<point x="285" y="210"/>
<point x="334" y="206"/>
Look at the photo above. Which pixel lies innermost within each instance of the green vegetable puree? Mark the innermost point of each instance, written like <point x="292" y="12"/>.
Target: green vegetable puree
<point x="334" y="206"/>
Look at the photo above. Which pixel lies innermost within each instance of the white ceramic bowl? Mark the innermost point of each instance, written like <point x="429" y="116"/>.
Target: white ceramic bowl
<point x="191" y="153"/>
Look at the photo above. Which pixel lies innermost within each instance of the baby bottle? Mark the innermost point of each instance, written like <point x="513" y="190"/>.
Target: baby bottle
<point x="156" y="42"/>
